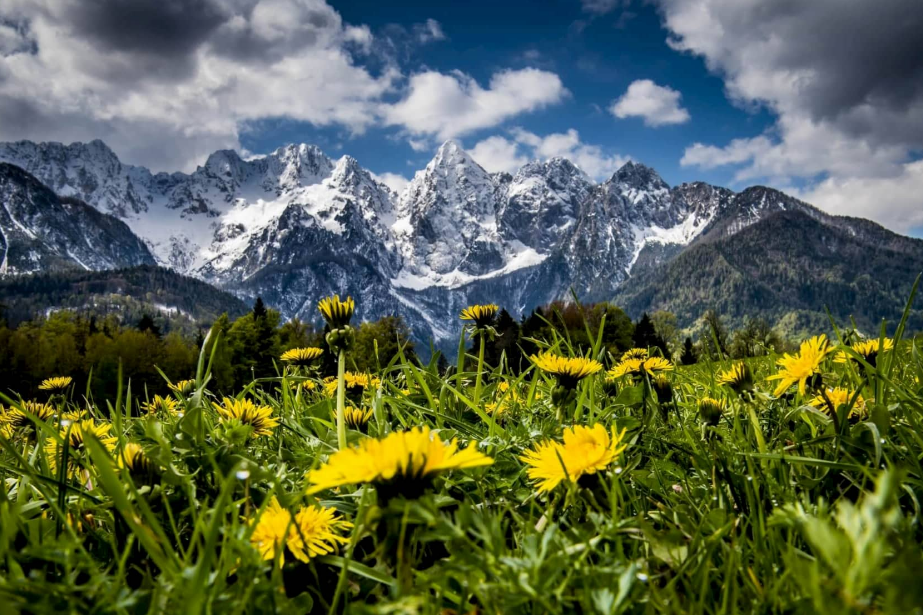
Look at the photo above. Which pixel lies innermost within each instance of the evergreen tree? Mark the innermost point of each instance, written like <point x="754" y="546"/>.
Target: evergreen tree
<point x="688" y="356"/>
<point x="506" y="341"/>
<point x="147" y="324"/>
<point x="645" y="336"/>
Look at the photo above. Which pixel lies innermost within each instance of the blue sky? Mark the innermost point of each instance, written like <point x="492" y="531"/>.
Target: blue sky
<point x="823" y="99"/>
<point x="596" y="56"/>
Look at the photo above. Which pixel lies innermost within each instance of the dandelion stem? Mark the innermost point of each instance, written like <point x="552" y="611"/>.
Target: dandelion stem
<point x="477" y="378"/>
<point x="341" y="399"/>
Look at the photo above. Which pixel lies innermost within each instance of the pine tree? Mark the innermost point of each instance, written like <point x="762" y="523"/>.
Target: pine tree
<point x="688" y="356"/>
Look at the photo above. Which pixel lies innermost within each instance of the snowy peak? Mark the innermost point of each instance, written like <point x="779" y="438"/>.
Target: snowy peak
<point x="542" y="203"/>
<point x="40" y="231"/>
<point x="639" y="176"/>
<point x="299" y="165"/>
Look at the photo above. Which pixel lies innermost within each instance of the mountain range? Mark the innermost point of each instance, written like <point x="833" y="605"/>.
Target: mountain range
<point x="295" y="225"/>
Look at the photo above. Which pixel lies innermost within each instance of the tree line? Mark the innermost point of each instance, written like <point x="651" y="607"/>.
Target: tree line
<point x="93" y="349"/>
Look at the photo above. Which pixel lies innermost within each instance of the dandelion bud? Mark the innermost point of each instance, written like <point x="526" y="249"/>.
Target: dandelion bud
<point x="710" y="410"/>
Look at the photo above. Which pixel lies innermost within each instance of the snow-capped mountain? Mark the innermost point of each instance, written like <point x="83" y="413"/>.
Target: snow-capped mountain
<point x="40" y="231"/>
<point x="295" y="225"/>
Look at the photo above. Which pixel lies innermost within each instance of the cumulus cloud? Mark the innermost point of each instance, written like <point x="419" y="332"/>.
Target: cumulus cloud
<point x="395" y="181"/>
<point x="450" y="105"/>
<point x="99" y="69"/>
<point x="898" y="198"/>
<point x="657" y="105"/>
<point x="844" y="79"/>
<point x="499" y="153"/>
<point x="165" y="82"/>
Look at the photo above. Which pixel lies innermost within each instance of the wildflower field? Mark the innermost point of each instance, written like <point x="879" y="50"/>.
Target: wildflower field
<point x="588" y="483"/>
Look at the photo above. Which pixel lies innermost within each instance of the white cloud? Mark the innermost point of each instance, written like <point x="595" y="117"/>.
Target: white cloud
<point x="896" y="200"/>
<point x="450" y="105"/>
<point x="395" y="181"/>
<point x="98" y="71"/>
<point x="498" y="153"/>
<point x="658" y="105"/>
<point x="167" y="96"/>
<point x="845" y="81"/>
<point x="429" y="31"/>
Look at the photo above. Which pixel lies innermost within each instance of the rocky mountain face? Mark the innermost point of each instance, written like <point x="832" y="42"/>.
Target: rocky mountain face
<point x="296" y="225"/>
<point x="788" y="267"/>
<point x="40" y="231"/>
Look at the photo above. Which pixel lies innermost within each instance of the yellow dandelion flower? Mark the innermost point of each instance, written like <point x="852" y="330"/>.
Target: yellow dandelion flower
<point x="406" y="460"/>
<point x="569" y="370"/>
<point x="481" y="315"/>
<point x="637" y="366"/>
<point x="76" y="434"/>
<point x="246" y="412"/>
<point x="868" y="350"/>
<point x="75" y="415"/>
<point x="135" y="461"/>
<point x="738" y="377"/>
<point x="337" y="313"/>
<point x="58" y="383"/>
<point x="840" y="396"/>
<point x="635" y="353"/>
<point x="17" y="417"/>
<point x="311" y="532"/>
<point x="6" y="430"/>
<point x="352" y="381"/>
<point x="304" y="385"/>
<point x="356" y="418"/>
<point x="798" y="368"/>
<point x="301" y="356"/>
<point x="711" y="410"/>
<point x="585" y="451"/>
<point x="165" y="405"/>
<point x="183" y="387"/>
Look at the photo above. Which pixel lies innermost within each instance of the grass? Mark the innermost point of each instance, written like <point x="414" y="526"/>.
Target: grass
<point x="778" y="508"/>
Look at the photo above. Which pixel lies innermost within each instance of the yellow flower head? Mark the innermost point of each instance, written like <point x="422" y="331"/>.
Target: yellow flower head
<point x="353" y="381"/>
<point x="634" y="353"/>
<point x="637" y="366"/>
<point x="356" y="418"/>
<point x="711" y="410"/>
<point x="58" y="383"/>
<point x="75" y="415"/>
<point x="337" y="313"/>
<point x="569" y="370"/>
<point x="481" y="315"/>
<point x="134" y="461"/>
<point x="738" y="377"/>
<point x="311" y="532"/>
<point x="802" y="366"/>
<point x="76" y="434"/>
<point x="586" y="450"/>
<point x="301" y="356"/>
<point x="304" y="385"/>
<point x="183" y="387"/>
<point x="165" y="405"/>
<point x="6" y="430"/>
<point x="868" y="350"/>
<point x="18" y="418"/>
<point x="247" y="413"/>
<point x="840" y="396"/>
<point x="404" y="462"/>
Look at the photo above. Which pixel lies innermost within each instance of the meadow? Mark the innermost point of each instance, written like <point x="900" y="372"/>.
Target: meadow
<point x="587" y="483"/>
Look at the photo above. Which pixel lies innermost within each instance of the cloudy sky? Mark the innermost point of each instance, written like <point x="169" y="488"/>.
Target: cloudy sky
<point x="823" y="99"/>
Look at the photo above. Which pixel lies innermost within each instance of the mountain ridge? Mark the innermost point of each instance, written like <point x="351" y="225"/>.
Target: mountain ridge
<point x="295" y="225"/>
